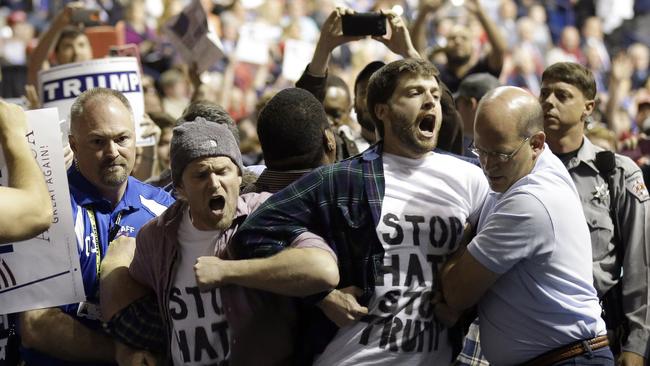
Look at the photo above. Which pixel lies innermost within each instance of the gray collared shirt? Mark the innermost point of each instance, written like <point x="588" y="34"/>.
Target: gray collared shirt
<point x="632" y="216"/>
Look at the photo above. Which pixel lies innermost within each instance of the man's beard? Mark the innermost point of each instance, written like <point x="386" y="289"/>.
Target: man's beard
<point x="229" y="211"/>
<point x="458" y="60"/>
<point x="117" y="177"/>
<point x="407" y="134"/>
<point x="365" y="121"/>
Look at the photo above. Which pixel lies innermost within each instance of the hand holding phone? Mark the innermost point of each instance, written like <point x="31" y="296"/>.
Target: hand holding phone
<point x="398" y="39"/>
<point x="363" y="24"/>
<point x="87" y="17"/>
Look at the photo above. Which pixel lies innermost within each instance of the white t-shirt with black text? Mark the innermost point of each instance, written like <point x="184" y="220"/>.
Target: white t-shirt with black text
<point x="200" y="333"/>
<point x="426" y="205"/>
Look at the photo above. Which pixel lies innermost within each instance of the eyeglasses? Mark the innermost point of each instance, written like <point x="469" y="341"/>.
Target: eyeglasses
<point x="503" y="158"/>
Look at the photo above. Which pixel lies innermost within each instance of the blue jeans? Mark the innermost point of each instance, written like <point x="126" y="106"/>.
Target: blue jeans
<point x="602" y="356"/>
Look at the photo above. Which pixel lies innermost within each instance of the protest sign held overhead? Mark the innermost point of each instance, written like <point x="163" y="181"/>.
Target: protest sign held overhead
<point x="192" y="36"/>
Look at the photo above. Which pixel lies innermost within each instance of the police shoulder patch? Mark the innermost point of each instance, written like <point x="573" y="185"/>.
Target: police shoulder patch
<point x="637" y="187"/>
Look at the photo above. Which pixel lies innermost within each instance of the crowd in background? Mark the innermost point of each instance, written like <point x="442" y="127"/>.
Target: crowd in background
<point x="416" y="89"/>
<point x="610" y="38"/>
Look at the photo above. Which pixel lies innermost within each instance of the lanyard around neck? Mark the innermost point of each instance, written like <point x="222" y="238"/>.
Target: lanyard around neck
<point x="111" y="235"/>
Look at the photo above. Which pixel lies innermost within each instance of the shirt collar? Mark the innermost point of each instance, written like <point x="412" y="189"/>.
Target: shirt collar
<point x="86" y="194"/>
<point x="276" y="180"/>
<point x="586" y="154"/>
<point x="373" y="152"/>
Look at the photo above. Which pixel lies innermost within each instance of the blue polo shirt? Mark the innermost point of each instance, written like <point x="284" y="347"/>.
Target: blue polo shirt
<point x="140" y="203"/>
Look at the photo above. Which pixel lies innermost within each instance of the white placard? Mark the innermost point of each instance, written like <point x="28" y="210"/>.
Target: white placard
<point x="59" y="86"/>
<point x="297" y="55"/>
<point x="193" y="37"/>
<point x="44" y="271"/>
<point x="254" y="42"/>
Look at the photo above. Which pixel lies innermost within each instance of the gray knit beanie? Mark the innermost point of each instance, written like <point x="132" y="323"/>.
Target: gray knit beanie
<point x="198" y="139"/>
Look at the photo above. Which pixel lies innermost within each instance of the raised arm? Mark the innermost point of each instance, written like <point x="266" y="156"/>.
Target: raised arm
<point x="49" y="39"/>
<point x="426" y="8"/>
<point x="26" y="200"/>
<point x="619" y="86"/>
<point x="497" y="41"/>
<point x="400" y="39"/>
<point x="331" y="36"/>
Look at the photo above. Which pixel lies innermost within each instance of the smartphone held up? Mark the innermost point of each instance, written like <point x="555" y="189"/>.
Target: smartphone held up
<point x="363" y="24"/>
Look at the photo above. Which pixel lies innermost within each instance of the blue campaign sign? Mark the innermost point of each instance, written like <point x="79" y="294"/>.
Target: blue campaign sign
<point x="73" y="86"/>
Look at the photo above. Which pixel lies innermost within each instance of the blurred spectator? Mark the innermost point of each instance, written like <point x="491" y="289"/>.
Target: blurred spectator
<point x="526" y="31"/>
<point x="175" y="92"/>
<point x="542" y="33"/>
<point x="166" y="124"/>
<point x="507" y="22"/>
<point x="459" y="51"/>
<point x="617" y="115"/>
<point x="568" y="48"/>
<point x="560" y="15"/>
<point x="614" y="12"/>
<point x="67" y="40"/>
<point x="524" y="72"/>
<point x="640" y="56"/>
<point x="152" y="101"/>
<point x="250" y="146"/>
<point x="297" y="14"/>
<point x="469" y="94"/>
<point x="14" y="40"/>
<point x="137" y="31"/>
<point x="593" y="37"/>
<point x="338" y="105"/>
<point x="642" y="117"/>
<point x="14" y="48"/>
<point x="601" y="136"/>
<point x="368" y="132"/>
<point x="594" y="62"/>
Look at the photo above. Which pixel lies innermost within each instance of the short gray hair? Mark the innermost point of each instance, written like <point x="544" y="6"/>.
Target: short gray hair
<point x="77" y="109"/>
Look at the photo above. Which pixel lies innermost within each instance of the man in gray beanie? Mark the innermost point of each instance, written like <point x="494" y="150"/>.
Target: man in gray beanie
<point x="183" y="257"/>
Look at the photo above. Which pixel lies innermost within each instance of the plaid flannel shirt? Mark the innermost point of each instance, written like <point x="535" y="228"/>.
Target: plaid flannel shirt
<point x="472" y="355"/>
<point x="342" y="204"/>
<point x="339" y="202"/>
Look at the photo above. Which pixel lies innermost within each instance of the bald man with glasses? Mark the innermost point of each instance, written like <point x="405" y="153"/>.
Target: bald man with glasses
<point x="529" y="266"/>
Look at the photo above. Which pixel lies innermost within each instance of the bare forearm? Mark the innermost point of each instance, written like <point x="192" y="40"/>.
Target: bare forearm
<point x="496" y="38"/>
<point x="318" y="64"/>
<point x="418" y="32"/>
<point x="617" y="118"/>
<point x="27" y="199"/>
<point x="147" y="163"/>
<point x="43" y="49"/>
<point x="117" y="288"/>
<point x="292" y="272"/>
<point x="448" y="287"/>
<point x="228" y="82"/>
<point x="57" y="334"/>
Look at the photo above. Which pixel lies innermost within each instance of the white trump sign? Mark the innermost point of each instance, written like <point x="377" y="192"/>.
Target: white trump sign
<point x="59" y="86"/>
